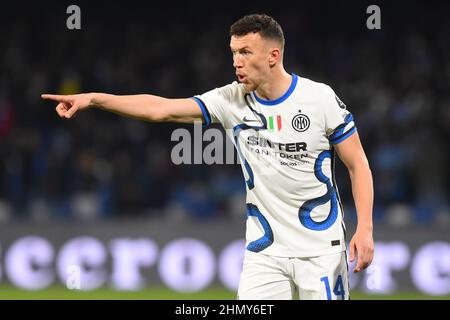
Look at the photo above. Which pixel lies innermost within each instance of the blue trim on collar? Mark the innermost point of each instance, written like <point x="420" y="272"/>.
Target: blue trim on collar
<point x="280" y="99"/>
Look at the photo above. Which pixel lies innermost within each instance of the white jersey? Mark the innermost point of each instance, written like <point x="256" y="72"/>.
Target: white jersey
<point x="286" y="151"/>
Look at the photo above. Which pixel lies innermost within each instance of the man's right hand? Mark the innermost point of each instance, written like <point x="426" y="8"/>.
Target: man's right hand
<point x="69" y="104"/>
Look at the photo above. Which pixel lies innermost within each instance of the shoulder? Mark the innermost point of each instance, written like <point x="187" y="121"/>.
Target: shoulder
<point x="317" y="88"/>
<point x="228" y="93"/>
<point x="232" y="91"/>
<point x="321" y="93"/>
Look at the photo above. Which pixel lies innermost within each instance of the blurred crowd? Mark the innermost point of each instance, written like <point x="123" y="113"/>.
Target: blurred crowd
<point x="396" y="82"/>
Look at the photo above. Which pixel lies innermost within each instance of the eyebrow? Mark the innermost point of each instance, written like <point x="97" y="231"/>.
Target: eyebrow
<point x="240" y="49"/>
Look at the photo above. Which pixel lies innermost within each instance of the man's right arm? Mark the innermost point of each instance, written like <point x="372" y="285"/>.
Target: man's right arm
<point x="142" y="106"/>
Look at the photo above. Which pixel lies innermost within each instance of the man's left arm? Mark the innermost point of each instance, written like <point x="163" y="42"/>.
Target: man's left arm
<point x="351" y="152"/>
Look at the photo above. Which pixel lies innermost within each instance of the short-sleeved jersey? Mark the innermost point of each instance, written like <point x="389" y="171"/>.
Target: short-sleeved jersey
<point x="286" y="151"/>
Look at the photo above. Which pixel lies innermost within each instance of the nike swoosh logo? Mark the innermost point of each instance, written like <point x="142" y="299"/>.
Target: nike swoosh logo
<point x="249" y="120"/>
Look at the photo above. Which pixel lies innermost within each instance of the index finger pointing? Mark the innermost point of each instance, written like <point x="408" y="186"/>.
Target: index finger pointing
<point x="55" y="97"/>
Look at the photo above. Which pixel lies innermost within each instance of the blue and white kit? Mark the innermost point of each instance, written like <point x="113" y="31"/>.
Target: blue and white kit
<point x="287" y="157"/>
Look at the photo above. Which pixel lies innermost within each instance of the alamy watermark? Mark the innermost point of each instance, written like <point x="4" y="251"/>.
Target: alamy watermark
<point x="73" y="280"/>
<point x="374" y="20"/>
<point x="73" y="22"/>
<point x="190" y="149"/>
<point x="213" y="146"/>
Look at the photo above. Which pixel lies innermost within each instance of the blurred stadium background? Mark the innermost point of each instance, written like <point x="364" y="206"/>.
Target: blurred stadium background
<point x="96" y="201"/>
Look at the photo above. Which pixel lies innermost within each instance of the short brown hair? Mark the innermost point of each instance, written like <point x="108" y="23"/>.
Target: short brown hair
<point x="263" y="24"/>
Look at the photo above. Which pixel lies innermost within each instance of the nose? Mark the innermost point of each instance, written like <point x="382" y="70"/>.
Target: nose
<point x="237" y="62"/>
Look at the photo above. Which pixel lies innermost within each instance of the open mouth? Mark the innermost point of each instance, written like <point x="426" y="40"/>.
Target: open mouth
<point x="240" y="77"/>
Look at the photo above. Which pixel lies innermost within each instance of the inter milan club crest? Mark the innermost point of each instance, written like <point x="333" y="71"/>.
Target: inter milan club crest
<point x="274" y="124"/>
<point x="300" y="122"/>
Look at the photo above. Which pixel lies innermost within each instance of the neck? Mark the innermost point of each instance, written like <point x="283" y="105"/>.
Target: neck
<point x="275" y="86"/>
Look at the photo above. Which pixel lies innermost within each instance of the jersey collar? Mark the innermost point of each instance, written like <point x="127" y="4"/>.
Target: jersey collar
<point x="280" y="99"/>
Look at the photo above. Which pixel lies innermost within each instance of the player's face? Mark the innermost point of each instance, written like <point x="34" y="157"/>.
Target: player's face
<point x="250" y="59"/>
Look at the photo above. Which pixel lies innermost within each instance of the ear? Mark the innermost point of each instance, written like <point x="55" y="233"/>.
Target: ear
<point x="274" y="56"/>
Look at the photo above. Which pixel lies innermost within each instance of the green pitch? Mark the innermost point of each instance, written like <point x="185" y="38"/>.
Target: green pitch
<point x="58" y="292"/>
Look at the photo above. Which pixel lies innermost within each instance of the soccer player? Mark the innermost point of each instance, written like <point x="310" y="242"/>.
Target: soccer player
<point x="286" y="130"/>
